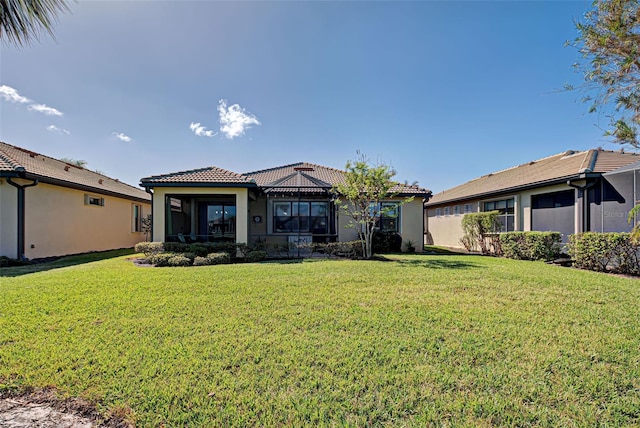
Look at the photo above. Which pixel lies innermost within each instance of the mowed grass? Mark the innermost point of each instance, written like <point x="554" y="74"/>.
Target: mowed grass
<point x="415" y="341"/>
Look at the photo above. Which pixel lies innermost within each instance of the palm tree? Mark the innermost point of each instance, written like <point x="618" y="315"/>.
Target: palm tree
<point x="22" y="21"/>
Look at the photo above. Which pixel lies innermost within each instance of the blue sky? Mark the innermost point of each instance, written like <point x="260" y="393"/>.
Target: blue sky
<point x="442" y="91"/>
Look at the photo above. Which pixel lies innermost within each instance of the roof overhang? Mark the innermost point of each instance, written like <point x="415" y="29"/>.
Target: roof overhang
<point x="187" y="184"/>
<point x="505" y="191"/>
<point x="72" y="185"/>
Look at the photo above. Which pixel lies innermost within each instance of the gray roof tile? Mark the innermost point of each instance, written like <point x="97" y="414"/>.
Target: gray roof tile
<point x="553" y="168"/>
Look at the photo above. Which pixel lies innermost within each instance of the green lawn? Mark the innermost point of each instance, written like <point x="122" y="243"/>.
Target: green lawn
<point x="420" y="340"/>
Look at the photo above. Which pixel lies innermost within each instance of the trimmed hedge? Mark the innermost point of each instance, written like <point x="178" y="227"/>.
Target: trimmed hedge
<point x="605" y="252"/>
<point x="531" y="245"/>
<point x="386" y="242"/>
<point x="349" y="249"/>
<point x="149" y="248"/>
<point x="202" y="249"/>
<point x="255" y="256"/>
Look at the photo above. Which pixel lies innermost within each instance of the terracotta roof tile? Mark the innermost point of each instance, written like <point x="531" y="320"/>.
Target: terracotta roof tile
<point x="310" y="177"/>
<point x="553" y="168"/>
<point x="19" y="160"/>
<point x="324" y="174"/>
<point x="212" y="174"/>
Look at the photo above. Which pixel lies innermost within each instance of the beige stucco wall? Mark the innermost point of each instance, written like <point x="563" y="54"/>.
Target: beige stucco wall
<point x="57" y="222"/>
<point x="8" y="220"/>
<point x="242" y="207"/>
<point x="446" y="230"/>
<point x="411" y="224"/>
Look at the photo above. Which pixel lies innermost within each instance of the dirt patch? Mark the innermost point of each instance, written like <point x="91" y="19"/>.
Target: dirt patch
<point x="44" y="409"/>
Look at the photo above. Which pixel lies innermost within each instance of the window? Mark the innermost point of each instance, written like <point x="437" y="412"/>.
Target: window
<point x="447" y="211"/>
<point x="468" y="208"/>
<point x="456" y="210"/>
<point x="93" y="200"/>
<point x="176" y="204"/>
<point x="565" y="198"/>
<point x="506" y="209"/>
<point x="390" y="218"/>
<point x="136" y="217"/>
<point x="305" y="216"/>
<point x="438" y="212"/>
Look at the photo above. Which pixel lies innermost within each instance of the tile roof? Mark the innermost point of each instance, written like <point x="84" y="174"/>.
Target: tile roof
<point x="313" y="175"/>
<point x="322" y="174"/>
<point x="16" y="160"/>
<point x="309" y="177"/>
<point x="208" y="175"/>
<point x="543" y="171"/>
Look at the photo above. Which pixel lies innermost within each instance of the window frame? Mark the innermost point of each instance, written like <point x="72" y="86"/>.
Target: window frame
<point x="94" y="201"/>
<point x="136" y="218"/>
<point x="503" y="217"/>
<point x="300" y="223"/>
<point x="390" y="219"/>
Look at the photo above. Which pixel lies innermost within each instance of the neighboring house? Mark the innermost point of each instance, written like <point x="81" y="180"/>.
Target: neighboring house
<point x="569" y="192"/>
<point x="291" y="203"/>
<point x="52" y="208"/>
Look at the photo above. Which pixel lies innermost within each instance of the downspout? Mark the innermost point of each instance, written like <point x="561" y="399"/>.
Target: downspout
<point x="21" y="213"/>
<point x="146" y="189"/>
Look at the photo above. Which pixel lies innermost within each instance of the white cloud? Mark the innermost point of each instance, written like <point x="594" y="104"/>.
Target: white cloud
<point x="12" y="95"/>
<point x="54" y="128"/>
<point x="49" y="111"/>
<point x="234" y="120"/>
<point x="122" y="137"/>
<point x="201" y="131"/>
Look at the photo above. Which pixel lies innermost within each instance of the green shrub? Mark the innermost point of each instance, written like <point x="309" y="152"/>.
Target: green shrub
<point x="149" y="248"/>
<point x="530" y="245"/>
<point x="350" y="249"/>
<point x="605" y="252"/>
<point x="198" y="248"/>
<point x="179" y="260"/>
<point x="256" y="256"/>
<point x="481" y="230"/>
<point x="386" y="242"/>
<point x="160" y="259"/>
<point x="201" y="249"/>
<point x="200" y="261"/>
<point x="176" y="247"/>
<point x="9" y="262"/>
<point x="218" y="258"/>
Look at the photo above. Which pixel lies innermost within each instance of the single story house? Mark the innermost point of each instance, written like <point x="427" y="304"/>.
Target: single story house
<point x="286" y="204"/>
<point x="569" y="192"/>
<point x="51" y="208"/>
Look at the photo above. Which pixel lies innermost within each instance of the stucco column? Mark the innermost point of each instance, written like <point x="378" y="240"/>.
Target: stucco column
<point x="242" y="216"/>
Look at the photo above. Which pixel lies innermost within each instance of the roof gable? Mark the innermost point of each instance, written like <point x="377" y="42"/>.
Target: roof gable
<point x="16" y="161"/>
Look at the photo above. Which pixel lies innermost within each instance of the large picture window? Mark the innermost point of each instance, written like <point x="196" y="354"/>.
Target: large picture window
<point x="507" y="213"/>
<point x="310" y="217"/>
